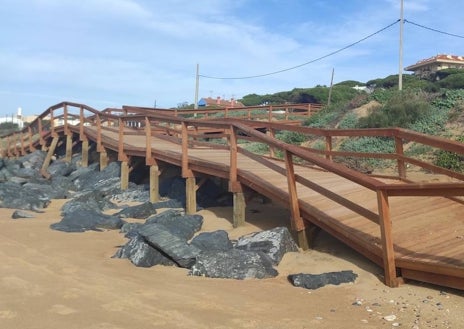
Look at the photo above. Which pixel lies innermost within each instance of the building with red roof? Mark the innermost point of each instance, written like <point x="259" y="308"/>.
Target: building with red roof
<point x="425" y="67"/>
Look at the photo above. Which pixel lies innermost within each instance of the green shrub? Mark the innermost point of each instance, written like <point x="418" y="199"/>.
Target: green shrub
<point x="402" y="109"/>
<point x="450" y="160"/>
<point x="349" y="121"/>
<point x="368" y="145"/>
<point x="291" y="137"/>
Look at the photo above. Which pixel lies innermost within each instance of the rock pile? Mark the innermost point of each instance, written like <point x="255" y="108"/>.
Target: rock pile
<point x="168" y="238"/>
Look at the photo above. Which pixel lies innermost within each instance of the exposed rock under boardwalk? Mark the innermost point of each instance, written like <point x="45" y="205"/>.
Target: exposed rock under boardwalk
<point x="233" y="264"/>
<point x="274" y="243"/>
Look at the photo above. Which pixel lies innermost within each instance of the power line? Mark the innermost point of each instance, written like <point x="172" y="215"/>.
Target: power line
<point x="434" y="30"/>
<point x="306" y="63"/>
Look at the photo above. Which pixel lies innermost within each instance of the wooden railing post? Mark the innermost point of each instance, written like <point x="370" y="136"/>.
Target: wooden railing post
<point x="190" y="182"/>
<point x="121" y="137"/>
<point x="386" y="233"/>
<point x="400" y="152"/>
<point x="239" y="203"/>
<point x="296" y="220"/>
<point x="65" y="118"/>
<point x="328" y="147"/>
<point x="271" y="148"/>
<point x="81" y="123"/>
<point x="233" y="159"/>
<point x="270" y="113"/>
<point x="52" y="124"/>
<point x="150" y="161"/>
<point x="186" y="172"/>
<point x="99" y="134"/>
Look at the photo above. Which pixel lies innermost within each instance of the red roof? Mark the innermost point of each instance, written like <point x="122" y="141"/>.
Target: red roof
<point x="438" y="58"/>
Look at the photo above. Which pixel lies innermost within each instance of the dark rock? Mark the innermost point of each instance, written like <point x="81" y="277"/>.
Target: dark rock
<point x="129" y="228"/>
<point x="183" y="226"/>
<point x="274" y="243"/>
<point x="315" y="281"/>
<point x="233" y="264"/>
<point x="141" y="254"/>
<point x="164" y="216"/>
<point x="208" y="241"/>
<point x="33" y="160"/>
<point x="132" y="194"/>
<point x="60" y="168"/>
<point x="21" y="214"/>
<point x="87" y="220"/>
<point x="141" y="211"/>
<point x="169" y="244"/>
<point x="46" y="190"/>
<point x="92" y="179"/>
<point x="83" y="171"/>
<point x="87" y="200"/>
<point x="16" y="196"/>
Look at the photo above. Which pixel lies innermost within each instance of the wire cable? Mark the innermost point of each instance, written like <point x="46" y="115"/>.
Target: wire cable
<point x="434" y="30"/>
<point x="306" y="63"/>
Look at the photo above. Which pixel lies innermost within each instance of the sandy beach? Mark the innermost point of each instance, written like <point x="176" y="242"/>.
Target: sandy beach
<point x="51" y="279"/>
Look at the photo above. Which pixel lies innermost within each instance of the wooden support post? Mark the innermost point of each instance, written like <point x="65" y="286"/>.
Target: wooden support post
<point x="154" y="183"/>
<point x="124" y="175"/>
<point x="298" y="225"/>
<point x="239" y="209"/>
<point x="400" y="153"/>
<point x="31" y="146"/>
<point x="51" y="150"/>
<point x="191" y="196"/>
<point x="388" y="252"/>
<point x="328" y="147"/>
<point x="271" y="133"/>
<point x="103" y="159"/>
<point x="69" y="142"/>
<point x="85" y="153"/>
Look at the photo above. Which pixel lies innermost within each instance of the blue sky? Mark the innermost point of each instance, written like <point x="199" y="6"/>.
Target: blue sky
<point x="109" y="53"/>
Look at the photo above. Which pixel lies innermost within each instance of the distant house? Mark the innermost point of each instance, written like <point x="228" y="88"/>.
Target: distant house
<point x="425" y="67"/>
<point x="218" y="102"/>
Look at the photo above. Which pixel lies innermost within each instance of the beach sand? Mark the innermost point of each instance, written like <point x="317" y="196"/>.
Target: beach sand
<point x="51" y="279"/>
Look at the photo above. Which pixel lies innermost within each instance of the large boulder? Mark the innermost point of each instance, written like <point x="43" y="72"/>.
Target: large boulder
<point x="274" y="243"/>
<point x="141" y="254"/>
<point x="60" y="168"/>
<point x="87" y="200"/>
<point x="315" y="281"/>
<point x="140" y="211"/>
<point x="87" y="220"/>
<point x="16" y="196"/>
<point x="233" y="264"/>
<point x="208" y="241"/>
<point x="92" y="179"/>
<point x="169" y="244"/>
<point x="182" y="226"/>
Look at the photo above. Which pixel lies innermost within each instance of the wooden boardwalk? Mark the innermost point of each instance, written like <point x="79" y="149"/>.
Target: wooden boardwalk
<point x="414" y="230"/>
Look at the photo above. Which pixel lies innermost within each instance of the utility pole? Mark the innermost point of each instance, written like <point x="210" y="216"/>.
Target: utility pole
<point x="197" y="83"/>
<point x="330" y="90"/>
<point x="400" y="73"/>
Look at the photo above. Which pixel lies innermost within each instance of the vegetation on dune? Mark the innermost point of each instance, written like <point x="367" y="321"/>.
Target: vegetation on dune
<point x="426" y="106"/>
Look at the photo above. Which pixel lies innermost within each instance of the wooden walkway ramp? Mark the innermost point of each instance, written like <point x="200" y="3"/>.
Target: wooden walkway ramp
<point x="414" y="230"/>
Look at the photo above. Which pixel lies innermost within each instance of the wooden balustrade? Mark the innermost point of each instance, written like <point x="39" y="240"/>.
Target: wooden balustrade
<point x="189" y="132"/>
